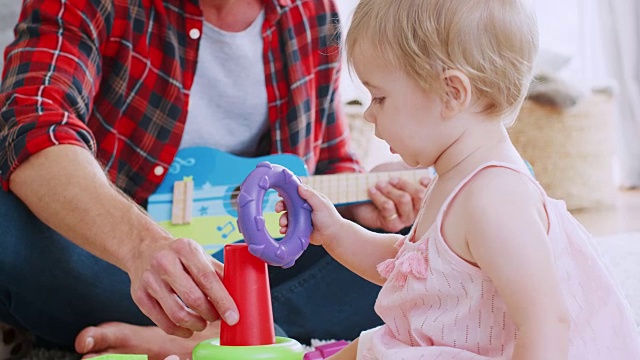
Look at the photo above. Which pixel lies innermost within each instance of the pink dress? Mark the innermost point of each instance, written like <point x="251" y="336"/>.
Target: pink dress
<point x="435" y="305"/>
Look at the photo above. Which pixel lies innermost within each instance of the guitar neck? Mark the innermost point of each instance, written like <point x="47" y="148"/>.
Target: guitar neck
<point x="349" y="188"/>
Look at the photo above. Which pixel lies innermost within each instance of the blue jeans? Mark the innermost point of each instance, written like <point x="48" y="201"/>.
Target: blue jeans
<point x="53" y="288"/>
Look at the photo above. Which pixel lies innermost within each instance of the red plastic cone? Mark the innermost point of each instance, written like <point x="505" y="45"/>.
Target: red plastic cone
<point x="247" y="281"/>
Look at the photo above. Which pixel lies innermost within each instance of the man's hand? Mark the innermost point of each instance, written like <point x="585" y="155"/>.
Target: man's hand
<point x="174" y="282"/>
<point x="178" y="286"/>
<point x="394" y="204"/>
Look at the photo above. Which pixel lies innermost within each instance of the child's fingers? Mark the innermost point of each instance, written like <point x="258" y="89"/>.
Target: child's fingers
<point x="284" y="220"/>
<point x="308" y="194"/>
<point x="313" y="197"/>
<point x="280" y="206"/>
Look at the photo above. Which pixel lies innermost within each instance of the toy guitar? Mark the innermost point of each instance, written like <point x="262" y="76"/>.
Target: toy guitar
<point x="202" y="186"/>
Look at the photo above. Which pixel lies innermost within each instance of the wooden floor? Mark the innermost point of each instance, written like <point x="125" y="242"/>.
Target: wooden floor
<point x="623" y="215"/>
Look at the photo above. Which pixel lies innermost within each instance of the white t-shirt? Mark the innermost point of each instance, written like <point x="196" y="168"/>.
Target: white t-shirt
<point x="228" y="101"/>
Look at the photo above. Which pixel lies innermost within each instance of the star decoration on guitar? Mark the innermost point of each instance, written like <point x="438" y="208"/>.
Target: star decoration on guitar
<point x="207" y="185"/>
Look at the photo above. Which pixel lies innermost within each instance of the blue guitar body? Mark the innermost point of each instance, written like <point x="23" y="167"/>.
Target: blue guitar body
<point x="216" y="177"/>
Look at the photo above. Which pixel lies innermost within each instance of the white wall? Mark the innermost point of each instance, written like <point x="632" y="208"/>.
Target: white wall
<point x="558" y="25"/>
<point x="568" y="28"/>
<point x="9" y="10"/>
<point x="572" y="27"/>
<point x="350" y="88"/>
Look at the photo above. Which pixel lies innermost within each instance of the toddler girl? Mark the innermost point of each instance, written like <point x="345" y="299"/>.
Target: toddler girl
<point x="493" y="268"/>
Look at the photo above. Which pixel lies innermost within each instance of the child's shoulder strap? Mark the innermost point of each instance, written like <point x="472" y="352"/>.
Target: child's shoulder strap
<point x="456" y="190"/>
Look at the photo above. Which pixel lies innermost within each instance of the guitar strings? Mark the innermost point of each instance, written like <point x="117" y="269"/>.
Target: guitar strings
<point x="369" y="179"/>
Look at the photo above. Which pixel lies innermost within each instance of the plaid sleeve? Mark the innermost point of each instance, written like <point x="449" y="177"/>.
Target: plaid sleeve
<point x="51" y="74"/>
<point x="336" y="152"/>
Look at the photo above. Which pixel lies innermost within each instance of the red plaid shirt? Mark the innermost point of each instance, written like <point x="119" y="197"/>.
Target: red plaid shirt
<point x="114" y="77"/>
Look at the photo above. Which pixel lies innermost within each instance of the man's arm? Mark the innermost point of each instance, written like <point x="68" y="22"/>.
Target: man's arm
<point x="51" y="76"/>
<point x="66" y="188"/>
<point x="173" y="281"/>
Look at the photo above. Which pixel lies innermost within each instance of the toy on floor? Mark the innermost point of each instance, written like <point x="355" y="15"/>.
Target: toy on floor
<point x="324" y="351"/>
<point x="121" y="357"/>
<point x="245" y="270"/>
<point x="253" y="337"/>
<point x="246" y="277"/>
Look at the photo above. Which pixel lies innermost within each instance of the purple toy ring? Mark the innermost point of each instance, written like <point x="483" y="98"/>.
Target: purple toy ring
<point x="251" y="222"/>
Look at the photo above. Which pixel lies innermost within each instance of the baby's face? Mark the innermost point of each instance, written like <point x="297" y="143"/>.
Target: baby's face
<point x="405" y="115"/>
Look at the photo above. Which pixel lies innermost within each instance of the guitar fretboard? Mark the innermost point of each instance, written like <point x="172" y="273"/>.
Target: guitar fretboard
<point x="353" y="187"/>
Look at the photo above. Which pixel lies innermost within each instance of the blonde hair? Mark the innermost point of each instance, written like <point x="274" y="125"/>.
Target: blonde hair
<point x="493" y="42"/>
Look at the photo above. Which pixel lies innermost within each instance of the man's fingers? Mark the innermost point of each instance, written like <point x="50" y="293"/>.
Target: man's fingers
<point x="194" y="298"/>
<point x="415" y="191"/>
<point x="200" y="269"/>
<point x="402" y="200"/>
<point x="384" y="204"/>
<point x="154" y="311"/>
<point x="217" y="266"/>
<point x="210" y="283"/>
<point x="172" y="305"/>
<point x="218" y="295"/>
<point x="174" y="288"/>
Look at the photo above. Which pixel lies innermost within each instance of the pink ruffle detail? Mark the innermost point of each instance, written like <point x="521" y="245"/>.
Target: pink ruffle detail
<point x="400" y="279"/>
<point x="414" y="263"/>
<point x="423" y="247"/>
<point x="369" y="355"/>
<point x="386" y="267"/>
<point x="408" y="263"/>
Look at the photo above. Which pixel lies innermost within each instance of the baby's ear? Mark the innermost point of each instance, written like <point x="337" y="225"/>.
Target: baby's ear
<point x="457" y="92"/>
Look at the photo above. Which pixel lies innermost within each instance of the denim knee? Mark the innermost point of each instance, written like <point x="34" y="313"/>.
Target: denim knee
<point x="52" y="286"/>
<point x="16" y="221"/>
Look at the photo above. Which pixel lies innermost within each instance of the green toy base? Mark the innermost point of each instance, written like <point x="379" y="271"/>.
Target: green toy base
<point x="121" y="357"/>
<point x="283" y="349"/>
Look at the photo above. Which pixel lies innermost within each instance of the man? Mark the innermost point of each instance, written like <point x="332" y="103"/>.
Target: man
<point x="97" y="97"/>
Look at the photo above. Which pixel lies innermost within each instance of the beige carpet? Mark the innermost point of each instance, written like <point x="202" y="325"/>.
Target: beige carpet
<point x="622" y="252"/>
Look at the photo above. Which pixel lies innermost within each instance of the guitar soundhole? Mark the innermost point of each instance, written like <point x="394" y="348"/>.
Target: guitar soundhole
<point x="265" y="201"/>
<point x="234" y="198"/>
<point x="268" y="202"/>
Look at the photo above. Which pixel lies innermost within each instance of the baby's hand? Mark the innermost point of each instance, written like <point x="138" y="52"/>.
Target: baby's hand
<point x="325" y="217"/>
<point x="281" y="207"/>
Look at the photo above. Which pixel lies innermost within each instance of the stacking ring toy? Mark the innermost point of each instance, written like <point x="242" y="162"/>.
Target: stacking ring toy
<point x="251" y="222"/>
